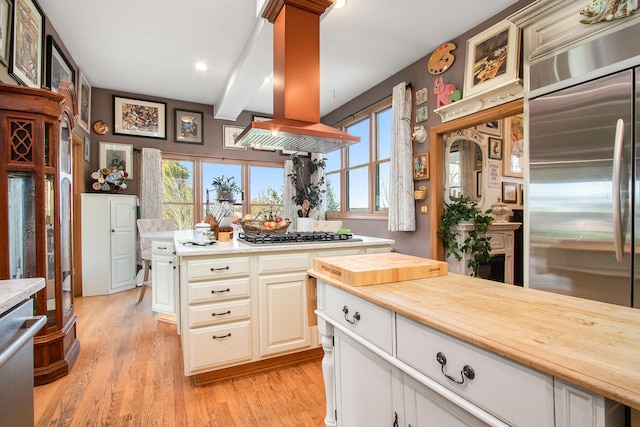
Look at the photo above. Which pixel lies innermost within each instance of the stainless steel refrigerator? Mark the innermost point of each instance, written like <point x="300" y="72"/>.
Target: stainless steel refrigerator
<point x="584" y="185"/>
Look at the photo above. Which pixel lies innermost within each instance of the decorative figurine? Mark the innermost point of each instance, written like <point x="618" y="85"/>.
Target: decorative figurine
<point x="443" y="92"/>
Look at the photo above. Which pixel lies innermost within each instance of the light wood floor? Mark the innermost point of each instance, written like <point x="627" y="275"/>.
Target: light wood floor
<point x="129" y="373"/>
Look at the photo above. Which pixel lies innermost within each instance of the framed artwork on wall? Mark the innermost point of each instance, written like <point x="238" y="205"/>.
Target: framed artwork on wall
<point x="5" y="30"/>
<point x="510" y="192"/>
<point x="421" y="166"/>
<point x="491" y="128"/>
<point x="84" y="102"/>
<point x="513" y="164"/>
<point x="422" y="114"/>
<point x="117" y="156"/>
<point x="495" y="148"/>
<point x="26" y="48"/>
<point x="189" y="127"/>
<point x="422" y="96"/>
<point x="229" y="135"/>
<point x="58" y="66"/>
<point x="139" y="118"/>
<point x="492" y="58"/>
<point x="87" y="149"/>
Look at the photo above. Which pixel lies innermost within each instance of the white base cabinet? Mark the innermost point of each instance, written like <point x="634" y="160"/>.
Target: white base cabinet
<point x="108" y="243"/>
<point x="165" y="277"/>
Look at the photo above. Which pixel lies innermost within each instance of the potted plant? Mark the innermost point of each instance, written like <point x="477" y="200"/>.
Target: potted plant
<point x="477" y="245"/>
<point x="226" y="187"/>
<point x="308" y="195"/>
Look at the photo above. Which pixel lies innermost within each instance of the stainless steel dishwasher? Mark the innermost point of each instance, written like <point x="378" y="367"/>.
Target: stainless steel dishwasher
<point x="17" y="328"/>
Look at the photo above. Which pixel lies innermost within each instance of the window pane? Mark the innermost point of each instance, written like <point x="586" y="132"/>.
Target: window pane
<point x="214" y="170"/>
<point x="358" y="189"/>
<point x="332" y="161"/>
<point x="333" y="191"/>
<point x="384" y="134"/>
<point x="382" y="187"/>
<point x="359" y="153"/>
<point x="267" y="188"/>
<point x="177" y="193"/>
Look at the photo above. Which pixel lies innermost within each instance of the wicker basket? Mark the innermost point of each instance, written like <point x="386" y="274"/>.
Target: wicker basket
<point x="255" y="226"/>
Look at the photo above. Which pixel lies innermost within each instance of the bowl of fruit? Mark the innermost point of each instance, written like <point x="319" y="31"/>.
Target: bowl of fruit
<point x="258" y="225"/>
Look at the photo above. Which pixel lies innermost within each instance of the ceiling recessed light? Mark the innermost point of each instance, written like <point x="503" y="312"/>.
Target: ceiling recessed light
<point x="339" y="4"/>
<point x="201" y="66"/>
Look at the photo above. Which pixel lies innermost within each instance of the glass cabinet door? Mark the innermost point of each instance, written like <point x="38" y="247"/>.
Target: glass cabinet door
<point x="66" y="195"/>
<point x="22" y="226"/>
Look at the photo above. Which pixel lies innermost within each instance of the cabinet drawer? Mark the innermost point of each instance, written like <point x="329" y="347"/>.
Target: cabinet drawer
<point x="283" y="263"/>
<point x="215" y="268"/>
<point x="511" y="391"/>
<point x="211" y="314"/>
<point x="219" y="345"/>
<point x="370" y="321"/>
<point x="162" y="247"/>
<point x="219" y="290"/>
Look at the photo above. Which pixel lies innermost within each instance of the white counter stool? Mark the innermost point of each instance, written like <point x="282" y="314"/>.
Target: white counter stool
<point x="148" y="226"/>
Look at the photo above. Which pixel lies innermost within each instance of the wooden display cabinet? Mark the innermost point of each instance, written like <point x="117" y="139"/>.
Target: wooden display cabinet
<point x="36" y="235"/>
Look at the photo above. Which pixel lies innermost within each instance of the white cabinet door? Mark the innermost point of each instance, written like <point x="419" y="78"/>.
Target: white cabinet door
<point x="165" y="284"/>
<point x="424" y="407"/>
<point x="123" y="243"/>
<point x="368" y="389"/>
<point x="283" y="313"/>
<point x="576" y="407"/>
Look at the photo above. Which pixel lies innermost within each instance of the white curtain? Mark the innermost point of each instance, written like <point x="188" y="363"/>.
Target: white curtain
<point x="402" y="212"/>
<point x="289" y="192"/>
<point x="151" y="184"/>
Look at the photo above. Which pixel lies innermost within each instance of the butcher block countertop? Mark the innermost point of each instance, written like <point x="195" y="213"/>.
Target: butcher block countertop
<point x="591" y="344"/>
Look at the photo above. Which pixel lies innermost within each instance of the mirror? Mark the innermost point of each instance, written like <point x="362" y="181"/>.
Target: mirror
<point x="464" y="166"/>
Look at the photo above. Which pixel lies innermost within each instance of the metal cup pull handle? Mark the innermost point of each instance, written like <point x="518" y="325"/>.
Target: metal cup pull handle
<point x="466" y="372"/>
<point x="356" y="315"/>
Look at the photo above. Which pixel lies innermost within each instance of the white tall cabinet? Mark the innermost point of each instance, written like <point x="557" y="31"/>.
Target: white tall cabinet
<point x="108" y="243"/>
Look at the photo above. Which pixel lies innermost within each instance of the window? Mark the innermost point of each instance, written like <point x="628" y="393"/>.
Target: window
<point x="186" y="187"/>
<point x="358" y="176"/>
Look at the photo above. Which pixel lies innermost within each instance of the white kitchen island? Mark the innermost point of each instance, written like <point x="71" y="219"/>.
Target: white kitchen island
<point x="244" y="307"/>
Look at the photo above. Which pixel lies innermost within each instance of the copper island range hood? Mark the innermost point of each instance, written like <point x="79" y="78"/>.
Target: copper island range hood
<point x="296" y="83"/>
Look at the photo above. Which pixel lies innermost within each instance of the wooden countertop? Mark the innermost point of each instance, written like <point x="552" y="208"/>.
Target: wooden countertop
<point x="591" y="344"/>
<point x="12" y="292"/>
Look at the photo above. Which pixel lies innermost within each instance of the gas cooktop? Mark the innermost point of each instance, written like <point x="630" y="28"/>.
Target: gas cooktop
<point x="295" y="237"/>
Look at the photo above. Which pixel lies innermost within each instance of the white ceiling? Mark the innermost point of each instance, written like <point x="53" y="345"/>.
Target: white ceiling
<point x="149" y="47"/>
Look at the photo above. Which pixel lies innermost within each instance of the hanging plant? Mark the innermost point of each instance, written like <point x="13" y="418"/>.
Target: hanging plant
<point x="477" y="244"/>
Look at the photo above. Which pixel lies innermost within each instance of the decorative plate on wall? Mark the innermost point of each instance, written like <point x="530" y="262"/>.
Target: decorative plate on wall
<point x="441" y="59"/>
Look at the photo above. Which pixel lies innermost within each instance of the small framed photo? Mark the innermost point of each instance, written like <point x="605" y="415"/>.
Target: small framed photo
<point x="229" y="135"/>
<point x="422" y="114"/>
<point x="495" y="148"/>
<point x="421" y="166"/>
<point x="510" y="192"/>
<point x="58" y="67"/>
<point x="117" y="156"/>
<point x="422" y="96"/>
<point x="139" y="118"/>
<point x="87" y="149"/>
<point x="189" y="127"/>
<point x="491" y="128"/>
<point x="26" y="50"/>
<point x="513" y="164"/>
<point x="84" y="102"/>
<point x="492" y="58"/>
<point x="5" y="30"/>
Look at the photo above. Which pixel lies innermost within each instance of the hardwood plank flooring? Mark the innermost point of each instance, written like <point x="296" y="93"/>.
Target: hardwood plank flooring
<point x="129" y="373"/>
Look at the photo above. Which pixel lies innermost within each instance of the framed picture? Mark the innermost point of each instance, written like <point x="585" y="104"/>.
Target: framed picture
<point x="491" y="128"/>
<point x="478" y="183"/>
<point x="26" y="48"/>
<point x="117" y="156"/>
<point x="422" y="96"/>
<point x="139" y="118"/>
<point x="87" y="149"/>
<point x="513" y="164"/>
<point x="510" y="192"/>
<point x="58" y="66"/>
<point x="493" y="180"/>
<point x="189" y="127"/>
<point x="84" y="102"/>
<point x="492" y="58"/>
<point x="422" y="114"/>
<point x="495" y="148"/>
<point x="421" y="166"/>
<point x="229" y="135"/>
<point x="5" y="30"/>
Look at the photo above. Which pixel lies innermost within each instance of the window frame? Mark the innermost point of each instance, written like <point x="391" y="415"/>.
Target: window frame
<point x="371" y="114"/>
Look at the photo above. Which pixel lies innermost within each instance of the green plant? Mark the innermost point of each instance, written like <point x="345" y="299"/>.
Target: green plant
<point x="224" y="184"/>
<point x="300" y="176"/>
<point x="477" y="244"/>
